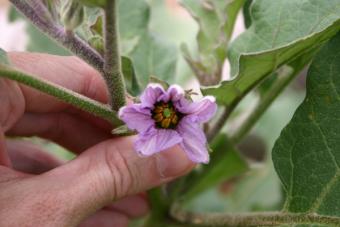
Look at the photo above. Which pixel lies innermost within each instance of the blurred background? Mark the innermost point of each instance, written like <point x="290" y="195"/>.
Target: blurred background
<point x="258" y="189"/>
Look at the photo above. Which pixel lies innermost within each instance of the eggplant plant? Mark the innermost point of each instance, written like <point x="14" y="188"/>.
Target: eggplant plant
<point x="282" y="38"/>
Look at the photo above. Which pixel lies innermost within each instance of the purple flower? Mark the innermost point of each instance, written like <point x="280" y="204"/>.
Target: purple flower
<point x="166" y="118"/>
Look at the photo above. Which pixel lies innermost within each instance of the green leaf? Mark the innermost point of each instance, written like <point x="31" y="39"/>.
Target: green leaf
<point x="156" y="80"/>
<point x="39" y="42"/>
<point x="216" y="21"/>
<point x="134" y="16"/>
<point x="131" y="82"/>
<point x="306" y="155"/>
<point x="257" y="190"/>
<point x="153" y="56"/>
<point x="281" y="31"/>
<point x="97" y="26"/>
<point x="225" y="163"/>
<point x="150" y="55"/>
<point x="3" y="57"/>
<point x="246" y="13"/>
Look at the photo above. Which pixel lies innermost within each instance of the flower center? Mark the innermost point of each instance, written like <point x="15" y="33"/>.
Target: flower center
<point x="165" y="115"/>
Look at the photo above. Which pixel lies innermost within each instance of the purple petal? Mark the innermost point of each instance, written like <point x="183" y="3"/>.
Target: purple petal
<point x="136" y="117"/>
<point x="151" y="95"/>
<point x="194" y="140"/>
<point x="174" y="93"/>
<point x="204" y="110"/>
<point x="156" y="140"/>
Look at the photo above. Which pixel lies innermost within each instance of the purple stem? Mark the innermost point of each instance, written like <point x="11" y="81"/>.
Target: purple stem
<point x="38" y="16"/>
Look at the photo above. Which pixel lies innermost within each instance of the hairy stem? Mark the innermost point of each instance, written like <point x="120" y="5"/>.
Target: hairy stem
<point x="37" y="13"/>
<point x="63" y="94"/>
<point x="112" y="65"/>
<point x="216" y="128"/>
<point x="159" y="207"/>
<point x="263" y="105"/>
<point x="40" y="10"/>
<point x="253" y="219"/>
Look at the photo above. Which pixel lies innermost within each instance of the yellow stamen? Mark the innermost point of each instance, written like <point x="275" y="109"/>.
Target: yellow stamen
<point x="166" y="123"/>
<point x="165" y="115"/>
<point x="158" y="117"/>
<point x="158" y="109"/>
<point x="174" y="119"/>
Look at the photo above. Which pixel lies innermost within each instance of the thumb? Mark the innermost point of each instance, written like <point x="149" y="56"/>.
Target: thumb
<point x="112" y="170"/>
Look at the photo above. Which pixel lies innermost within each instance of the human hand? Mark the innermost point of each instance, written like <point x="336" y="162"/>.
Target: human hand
<point x="43" y="191"/>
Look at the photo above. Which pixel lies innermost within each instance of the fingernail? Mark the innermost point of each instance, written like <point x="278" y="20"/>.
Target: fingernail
<point x="173" y="163"/>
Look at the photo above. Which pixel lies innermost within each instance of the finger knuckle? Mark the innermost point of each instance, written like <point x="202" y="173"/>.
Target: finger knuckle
<point x="123" y="174"/>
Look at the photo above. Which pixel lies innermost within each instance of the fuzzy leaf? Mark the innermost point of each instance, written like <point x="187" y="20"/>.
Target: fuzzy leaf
<point x="134" y="16"/>
<point x="150" y="55"/>
<point x="130" y="76"/>
<point x="216" y="21"/>
<point x="280" y="30"/>
<point x="307" y="154"/>
<point x="153" y="56"/>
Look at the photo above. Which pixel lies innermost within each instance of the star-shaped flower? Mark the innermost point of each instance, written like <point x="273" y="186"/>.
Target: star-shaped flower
<point x="166" y="118"/>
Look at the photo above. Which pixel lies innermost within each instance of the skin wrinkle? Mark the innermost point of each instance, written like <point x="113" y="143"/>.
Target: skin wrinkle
<point x="41" y="206"/>
<point x="119" y="170"/>
<point x="12" y="108"/>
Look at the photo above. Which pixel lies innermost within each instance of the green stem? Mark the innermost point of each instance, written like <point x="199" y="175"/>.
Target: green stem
<point x="263" y="105"/>
<point x="63" y="94"/>
<point x="159" y="207"/>
<point x="112" y="65"/>
<point x="216" y="128"/>
<point x="253" y="219"/>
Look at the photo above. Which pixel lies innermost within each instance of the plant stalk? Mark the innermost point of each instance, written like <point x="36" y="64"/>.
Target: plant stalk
<point x="216" y="128"/>
<point x="72" y="42"/>
<point x="263" y="105"/>
<point x="159" y="207"/>
<point x="253" y="219"/>
<point x="63" y="94"/>
<point x="112" y="64"/>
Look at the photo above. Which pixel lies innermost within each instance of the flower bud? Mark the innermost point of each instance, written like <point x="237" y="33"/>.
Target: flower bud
<point x="72" y="14"/>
